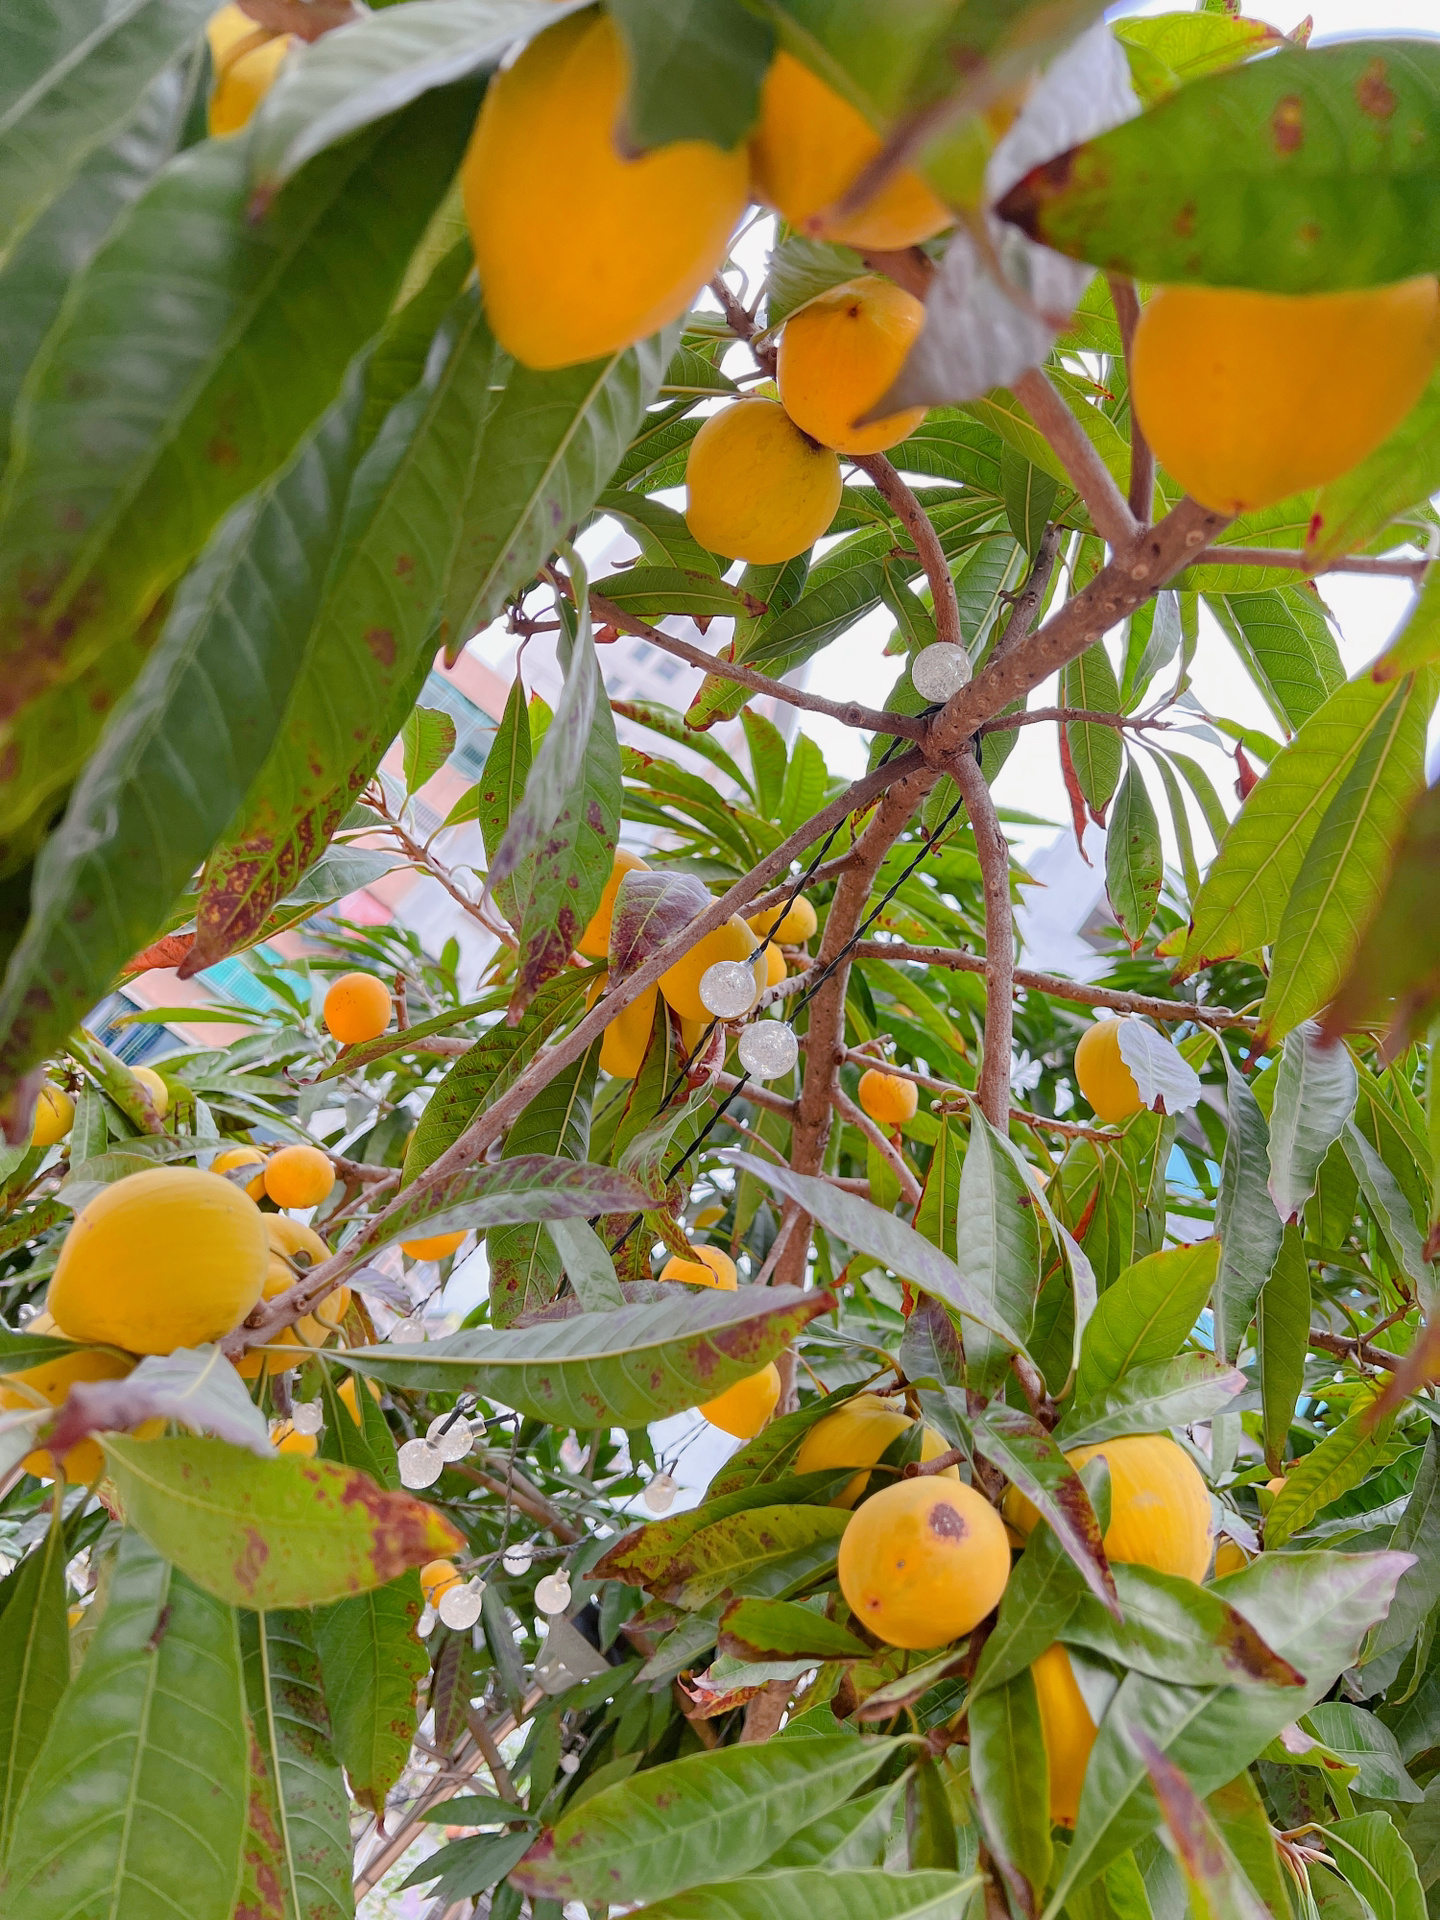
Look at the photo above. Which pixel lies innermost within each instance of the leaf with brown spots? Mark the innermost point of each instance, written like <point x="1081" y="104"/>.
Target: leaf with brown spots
<point x="286" y="1532"/>
<point x="1298" y="173"/>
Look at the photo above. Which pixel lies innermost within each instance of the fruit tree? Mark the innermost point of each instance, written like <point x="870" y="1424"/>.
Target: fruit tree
<point x="936" y="1437"/>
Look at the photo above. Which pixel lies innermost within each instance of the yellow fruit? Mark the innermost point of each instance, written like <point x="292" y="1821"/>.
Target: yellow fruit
<point x="285" y="1439"/>
<point x="73" y="1617"/>
<point x="1250" y="397"/>
<point x="156" y="1088"/>
<point x="357" y="1008"/>
<point x="856" y="1436"/>
<point x="711" y="1267"/>
<point x="808" y="148"/>
<point x="888" y="1097"/>
<point x="757" y="488"/>
<point x="163" y="1259"/>
<point x="923" y="1561"/>
<point x="595" y="940"/>
<point x="841" y="354"/>
<point x="681" y="984"/>
<point x="1230" y="1557"/>
<point x="742" y="1410"/>
<point x="294" y="1250"/>
<point x="347" y="1395"/>
<point x="242" y="1157"/>
<point x="245" y="66"/>
<point x="54" y="1117"/>
<point x="1068" y="1730"/>
<point x="436" y="1247"/>
<point x="1102" y="1075"/>
<point x="1159" y="1506"/>
<point x="437" y="1577"/>
<point x="775" y="968"/>
<point x="52" y="1380"/>
<point x="792" y="927"/>
<point x="623" y="1043"/>
<point x="298" y="1177"/>
<point x="582" y="252"/>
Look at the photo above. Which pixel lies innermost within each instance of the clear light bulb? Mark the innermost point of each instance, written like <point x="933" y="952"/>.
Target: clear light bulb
<point x="452" y="1442"/>
<point x="407" y="1333"/>
<point x="306" y="1417"/>
<point x="940" y="670"/>
<point x="659" y="1496"/>
<point x="569" y="1763"/>
<point x="727" y="989"/>
<point x="517" y="1558"/>
<point x="552" y="1594"/>
<point x="460" y="1606"/>
<point x="421" y="1465"/>
<point x="768" y="1048"/>
<point x="425" y="1625"/>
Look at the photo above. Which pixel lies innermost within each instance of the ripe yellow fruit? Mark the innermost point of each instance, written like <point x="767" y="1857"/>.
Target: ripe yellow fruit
<point x="294" y="1250"/>
<point x="923" y="1561"/>
<point x="436" y="1247"/>
<point x="742" y="1410"/>
<point x="1102" y="1075"/>
<point x="1159" y="1506"/>
<point x="841" y="354"/>
<point x="156" y="1088"/>
<point x="681" y="984"/>
<point x="163" y="1259"/>
<point x="437" y="1577"/>
<point x="775" y="968"/>
<point x="1230" y="1557"/>
<point x="54" y="1117"/>
<point x="888" y="1097"/>
<point x="623" y="1043"/>
<point x="583" y="252"/>
<point x="1250" y="397"/>
<point x="242" y="1157"/>
<point x="1068" y="1730"/>
<point x="757" y="488"/>
<point x="595" y="940"/>
<point x="52" y="1380"/>
<point x="711" y="1267"/>
<point x="245" y="67"/>
<point x="285" y="1439"/>
<point x="792" y="927"/>
<point x="856" y="1436"/>
<point x="808" y="148"/>
<point x="298" y="1177"/>
<point x="357" y="1008"/>
<point x="347" y="1396"/>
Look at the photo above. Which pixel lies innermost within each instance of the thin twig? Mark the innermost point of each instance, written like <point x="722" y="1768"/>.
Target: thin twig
<point x="523" y="1494"/>
<point x="1089" y="475"/>
<point x="1072" y="716"/>
<point x="888" y="1151"/>
<point x="758" y="1096"/>
<point x="993" y="852"/>
<point x="1126" y="301"/>
<point x="1027" y="602"/>
<point x="916" y="522"/>
<point x="1295" y="559"/>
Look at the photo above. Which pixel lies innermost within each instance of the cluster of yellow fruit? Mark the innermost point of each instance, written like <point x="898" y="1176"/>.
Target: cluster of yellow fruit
<point x="758" y="940"/>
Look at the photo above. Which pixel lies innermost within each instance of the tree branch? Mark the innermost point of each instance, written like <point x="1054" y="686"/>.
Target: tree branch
<point x="1295" y="559"/>
<point x="1126" y="301"/>
<point x="1089" y="475"/>
<point x="1071" y="1129"/>
<point x="1071" y="716"/>
<point x="1027" y="601"/>
<point x="916" y="522"/>
<point x="993" y="850"/>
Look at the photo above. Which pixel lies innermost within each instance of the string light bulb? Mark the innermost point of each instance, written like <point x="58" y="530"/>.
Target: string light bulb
<point x="940" y="670"/>
<point x="450" y="1435"/>
<point x="768" y="1049"/>
<point x="727" y="989"/>
<point x="421" y="1465"/>
<point x="460" y="1606"/>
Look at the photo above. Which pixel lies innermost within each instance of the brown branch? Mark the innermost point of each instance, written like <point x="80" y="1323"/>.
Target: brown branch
<point x="1026" y="603"/>
<point x="993" y="851"/>
<point x="523" y="1494"/>
<point x="1071" y="716"/>
<point x="1295" y="559"/>
<point x="888" y="1151"/>
<point x="1089" y="475"/>
<point x="848" y="712"/>
<point x="1057" y="987"/>
<point x="742" y="325"/>
<point x="1071" y="1129"/>
<point x="1142" y="456"/>
<point x="916" y="522"/>
<point x="1115" y="592"/>
<point x="758" y="1096"/>
<point x="1345" y="1347"/>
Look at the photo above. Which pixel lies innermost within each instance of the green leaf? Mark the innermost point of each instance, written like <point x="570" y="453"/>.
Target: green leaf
<point x="373" y="1662"/>
<point x="1374" y="1858"/>
<point x="1246" y="1223"/>
<point x="1169" y="50"/>
<point x="207" y="341"/>
<point x="1176" y="1631"/>
<point x="763" y="1552"/>
<point x="383" y="584"/>
<point x="1261" y="857"/>
<point x="855" y="1835"/>
<point x="588" y="1265"/>
<point x="427" y="740"/>
<point x="1284" y="638"/>
<point x="1403" y="472"/>
<point x="1170" y="1393"/>
<point x="70" y="86"/>
<point x="1010" y="1774"/>
<point x="1134" y="860"/>
<point x="696" y="70"/>
<point x="1041" y="1596"/>
<point x="608" y="1369"/>
<point x="284" y="1532"/>
<point x="34" y="1666"/>
<point x="1282" y="1326"/>
<point x="302" y="1785"/>
<point x="1218" y="1888"/>
<point x="1340" y="885"/>
<point x="780" y="1630"/>
<point x="1145" y="1316"/>
<point x="137" y="1803"/>
<point x="998" y="1250"/>
<point x="524" y="1189"/>
<point x="1098" y="756"/>
<point x="653" y="592"/>
<point x="1390" y="1207"/>
<point x="1315" y="1092"/>
<point x="1368" y="1745"/>
<point x="1395" y="971"/>
<point x="1344" y="1458"/>
<point x="808" y="1893"/>
<point x="1030" y="1458"/>
<point x="470" y="1866"/>
<point x="507" y="768"/>
<point x="1029" y="494"/>
<point x="1299" y="173"/>
<point x="525" y="1267"/>
<point x="678" y="1825"/>
<point x="1244" y="1823"/>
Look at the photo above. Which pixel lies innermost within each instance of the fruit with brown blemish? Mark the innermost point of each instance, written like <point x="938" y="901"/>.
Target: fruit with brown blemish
<point x="923" y="1562"/>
